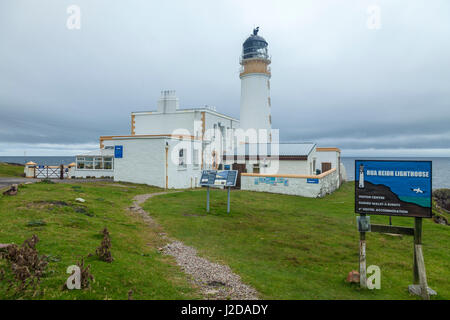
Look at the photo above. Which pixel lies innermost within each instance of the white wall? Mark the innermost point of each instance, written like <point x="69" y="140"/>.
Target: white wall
<point x="327" y="156"/>
<point x="84" y="173"/>
<point x="183" y="178"/>
<point x="294" y="167"/>
<point x="334" y="158"/>
<point x="255" y="110"/>
<point x="296" y="186"/>
<point x="143" y="161"/>
<point x="163" y="123"/>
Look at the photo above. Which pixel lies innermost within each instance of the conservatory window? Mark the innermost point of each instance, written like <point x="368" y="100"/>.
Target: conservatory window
<point x="107" y="163"/>
<point x="95" y="163"/>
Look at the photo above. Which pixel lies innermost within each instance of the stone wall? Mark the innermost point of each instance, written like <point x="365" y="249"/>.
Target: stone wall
<point x="312" y="186"/>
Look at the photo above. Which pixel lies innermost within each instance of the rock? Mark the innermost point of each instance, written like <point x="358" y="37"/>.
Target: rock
<point x="440" y="220"/>
<point x="353" y="277"/>
<point x="213" y="292"/>
<point x="80" y="200"/>
<point x="4" y="245"/>
<point x="12" y="191"/>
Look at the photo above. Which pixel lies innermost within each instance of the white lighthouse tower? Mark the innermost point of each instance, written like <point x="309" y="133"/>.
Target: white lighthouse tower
<point x="255" y="85"/>
<point x="361" y="176"/>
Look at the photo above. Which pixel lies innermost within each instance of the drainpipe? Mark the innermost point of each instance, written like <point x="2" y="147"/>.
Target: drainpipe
<point x="167" y="165"/>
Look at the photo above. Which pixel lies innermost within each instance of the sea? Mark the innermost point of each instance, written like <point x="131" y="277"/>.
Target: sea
<point x="441" y="165"/>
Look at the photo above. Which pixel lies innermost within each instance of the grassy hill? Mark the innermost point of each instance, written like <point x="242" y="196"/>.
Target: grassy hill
<point x="9" y="170"/>
<point x="291" y="247"/>
<point x="69" y="230"/>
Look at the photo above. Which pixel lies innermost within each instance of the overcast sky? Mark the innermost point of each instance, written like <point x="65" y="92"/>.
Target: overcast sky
<point x="383" y="90"/>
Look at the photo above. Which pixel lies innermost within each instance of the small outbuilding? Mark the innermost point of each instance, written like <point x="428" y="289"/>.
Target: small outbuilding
<point x="95" y="164"/>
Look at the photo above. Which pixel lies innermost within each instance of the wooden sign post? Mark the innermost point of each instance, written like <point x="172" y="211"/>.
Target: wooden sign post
<point x="420" y="285"/>
<point x="362" y="260"/>
<point x="399" y="188"/>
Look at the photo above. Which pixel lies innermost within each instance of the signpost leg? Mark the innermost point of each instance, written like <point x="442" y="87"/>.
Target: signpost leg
<point x="362" y="260"/>
<point x="420" y="285"/>
<point x="207" y="200"/>
<point x="228" y="202"/>
<point x="417" y="240"/>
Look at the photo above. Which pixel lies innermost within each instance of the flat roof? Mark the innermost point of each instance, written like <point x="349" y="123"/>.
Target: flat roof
<point x="150" y="136"/>
<point x="188" y="110"/>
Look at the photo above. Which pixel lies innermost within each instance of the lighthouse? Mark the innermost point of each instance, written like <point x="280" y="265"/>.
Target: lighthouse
<point x="255" y="85"/>
<point x="361" y="176"/>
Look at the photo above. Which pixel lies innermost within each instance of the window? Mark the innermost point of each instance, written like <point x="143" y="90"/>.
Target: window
<point x="95" y="163"/>
<point x="89" y="163"/>
<point x="195" y="158"/>
<point x="98" y="163"/>
<point x="80" y="163"/>
<point x="256" y="168"/>
<point x="107" y="163"/>
<point x="182" y="158"/>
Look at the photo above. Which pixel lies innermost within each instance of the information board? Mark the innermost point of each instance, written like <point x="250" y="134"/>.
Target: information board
<point x="394" y="188"/>
<point x="226" y="178"/>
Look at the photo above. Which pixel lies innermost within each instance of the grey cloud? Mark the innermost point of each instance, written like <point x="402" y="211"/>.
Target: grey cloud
<point x="334" y="81"/>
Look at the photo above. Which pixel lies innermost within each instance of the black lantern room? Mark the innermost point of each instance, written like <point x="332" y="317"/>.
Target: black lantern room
<point x="255" y="47"/>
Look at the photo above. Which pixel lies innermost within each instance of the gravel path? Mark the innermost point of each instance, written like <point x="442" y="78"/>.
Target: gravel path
<point x="216" y="281"/>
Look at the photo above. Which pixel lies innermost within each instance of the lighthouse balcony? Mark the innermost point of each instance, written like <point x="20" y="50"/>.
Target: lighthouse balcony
<point x="266" y="59"/>
<point x="254" y="68"/>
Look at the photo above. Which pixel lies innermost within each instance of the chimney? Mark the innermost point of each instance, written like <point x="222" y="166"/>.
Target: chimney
<point x="168" y="102"/>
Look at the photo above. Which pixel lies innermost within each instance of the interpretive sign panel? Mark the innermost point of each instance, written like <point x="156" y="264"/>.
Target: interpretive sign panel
<point x="226" y="178"/>
<point x="394" y="188"/>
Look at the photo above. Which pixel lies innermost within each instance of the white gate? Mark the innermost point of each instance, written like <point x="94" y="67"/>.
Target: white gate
<point x="49" y="172"/>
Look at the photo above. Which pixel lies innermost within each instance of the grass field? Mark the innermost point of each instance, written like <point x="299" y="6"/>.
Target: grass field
<point x="72" y="231"/>
<point x="8" y="170"/>
<point x="291" y="247"/>
<point x="287" y="247"/>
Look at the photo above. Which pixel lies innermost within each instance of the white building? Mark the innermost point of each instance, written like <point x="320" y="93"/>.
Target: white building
<point x="94" y="164"/>
<point x="164" y="161"/>
<point x="168" y="147"/>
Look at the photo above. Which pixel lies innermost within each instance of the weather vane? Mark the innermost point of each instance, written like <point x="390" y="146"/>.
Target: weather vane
<point x="255" y="31"/>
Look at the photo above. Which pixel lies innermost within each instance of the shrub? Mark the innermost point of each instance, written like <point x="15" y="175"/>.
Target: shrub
<point x="103" y="252"/>
<point x="46" y="181"/>
<point x="26" y="265"/>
